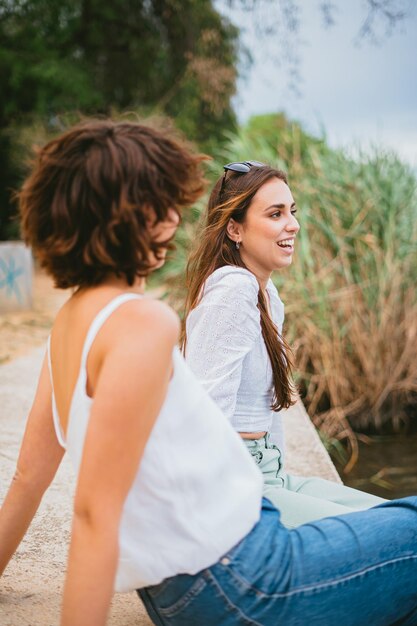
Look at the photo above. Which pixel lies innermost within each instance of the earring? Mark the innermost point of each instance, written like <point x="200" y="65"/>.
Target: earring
<point x="237" y="245"/>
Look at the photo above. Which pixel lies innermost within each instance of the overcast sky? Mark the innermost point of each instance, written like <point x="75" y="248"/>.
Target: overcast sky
<point x="358" y="93"/>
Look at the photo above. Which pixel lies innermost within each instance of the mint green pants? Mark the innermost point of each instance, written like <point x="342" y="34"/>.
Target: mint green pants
<point x="300" y="499"/>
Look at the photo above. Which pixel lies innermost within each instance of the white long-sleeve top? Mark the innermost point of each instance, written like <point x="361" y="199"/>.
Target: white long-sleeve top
<point x="226" y="351"/>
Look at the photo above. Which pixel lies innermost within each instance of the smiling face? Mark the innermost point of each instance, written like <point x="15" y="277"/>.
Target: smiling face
<point x="267" y="234"/>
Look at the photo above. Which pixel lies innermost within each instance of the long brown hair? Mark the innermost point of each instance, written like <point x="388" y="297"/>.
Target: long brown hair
<point x="215" y="249"/>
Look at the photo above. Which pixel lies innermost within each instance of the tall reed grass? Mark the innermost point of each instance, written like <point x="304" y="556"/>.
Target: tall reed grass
<point x="350" y="296"/>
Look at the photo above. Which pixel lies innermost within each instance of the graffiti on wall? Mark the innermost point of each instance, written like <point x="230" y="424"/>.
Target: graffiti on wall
<point x="15" y="277"/>
<point x="9" y="274"/>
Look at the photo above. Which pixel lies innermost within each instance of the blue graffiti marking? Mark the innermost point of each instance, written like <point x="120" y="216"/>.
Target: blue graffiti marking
<point x="8" y="278"/>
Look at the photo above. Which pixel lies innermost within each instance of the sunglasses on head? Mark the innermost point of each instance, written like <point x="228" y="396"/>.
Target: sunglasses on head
<point x="241" y="167"/>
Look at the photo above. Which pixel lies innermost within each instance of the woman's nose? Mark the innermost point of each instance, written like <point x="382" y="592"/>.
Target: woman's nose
<point x="293" y="225"/>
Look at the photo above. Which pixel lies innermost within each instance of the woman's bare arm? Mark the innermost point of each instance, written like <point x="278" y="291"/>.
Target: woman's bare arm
<point x="39" y="458"/>
<point x="131" y="388"/>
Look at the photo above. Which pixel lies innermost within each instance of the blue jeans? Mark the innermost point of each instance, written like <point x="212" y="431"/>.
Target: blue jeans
<point x="352" y="570"/>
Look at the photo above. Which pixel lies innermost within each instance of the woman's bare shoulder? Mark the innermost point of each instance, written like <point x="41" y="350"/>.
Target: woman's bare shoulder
<point x="148" y="315"/>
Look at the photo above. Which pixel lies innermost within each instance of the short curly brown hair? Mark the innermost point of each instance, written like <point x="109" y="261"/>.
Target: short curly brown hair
<point x="86" y="206"/>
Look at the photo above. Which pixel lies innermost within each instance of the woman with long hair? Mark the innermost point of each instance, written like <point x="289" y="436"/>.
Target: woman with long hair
<point x="168" y="501"/>
<point x="233" y="335"/>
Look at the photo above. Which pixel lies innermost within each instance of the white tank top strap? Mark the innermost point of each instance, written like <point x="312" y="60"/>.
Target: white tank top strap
<point x="95" y="326"/>
<point x="55" y="416"/>
<point x="100" y="318"/>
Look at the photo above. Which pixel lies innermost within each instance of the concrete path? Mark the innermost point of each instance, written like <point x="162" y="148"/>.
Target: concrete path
<point x="31" y="587"/>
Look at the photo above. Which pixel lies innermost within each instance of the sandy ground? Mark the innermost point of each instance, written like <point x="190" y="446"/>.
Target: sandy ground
<point x="30" y="589"/>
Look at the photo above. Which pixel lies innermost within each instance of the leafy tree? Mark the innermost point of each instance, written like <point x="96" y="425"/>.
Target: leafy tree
<point x="176" y="57"/>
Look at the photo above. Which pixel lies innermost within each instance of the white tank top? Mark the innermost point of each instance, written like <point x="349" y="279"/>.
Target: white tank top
<point x="197" y="491"/>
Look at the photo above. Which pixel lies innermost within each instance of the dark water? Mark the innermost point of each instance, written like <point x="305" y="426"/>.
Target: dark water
<point x="387" y="466"/>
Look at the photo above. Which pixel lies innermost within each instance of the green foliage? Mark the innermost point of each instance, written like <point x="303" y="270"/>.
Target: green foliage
<point x="351" y="303"/>
<point x="170" y="57"/>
